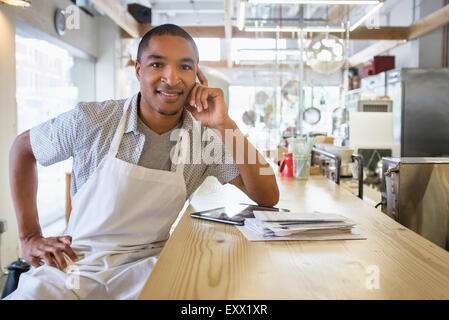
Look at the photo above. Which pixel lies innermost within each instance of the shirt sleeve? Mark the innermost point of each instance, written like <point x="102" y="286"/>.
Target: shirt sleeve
<point x="226" y="169"/>
<point x="54" y="140"/>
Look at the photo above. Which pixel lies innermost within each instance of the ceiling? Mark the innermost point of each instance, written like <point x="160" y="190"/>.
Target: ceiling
<point x="212" y="13"/>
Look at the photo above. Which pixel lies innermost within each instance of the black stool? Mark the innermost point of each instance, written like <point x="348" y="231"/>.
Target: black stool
<point x="15" y="269"/>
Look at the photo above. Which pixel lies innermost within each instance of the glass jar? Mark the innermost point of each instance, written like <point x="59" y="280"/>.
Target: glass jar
<point x="301" y="166"/>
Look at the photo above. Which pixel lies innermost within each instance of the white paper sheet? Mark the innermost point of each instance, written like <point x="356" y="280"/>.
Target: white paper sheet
<point x="253" y="236"/>
<point x="297" y="216"/>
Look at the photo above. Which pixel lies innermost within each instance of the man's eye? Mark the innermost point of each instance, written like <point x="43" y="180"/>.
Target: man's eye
<point x="156" y="64"/>
<point x="186" y="67"/>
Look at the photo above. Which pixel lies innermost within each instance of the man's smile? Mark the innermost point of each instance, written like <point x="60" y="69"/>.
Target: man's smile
<point x="169" y="95"/>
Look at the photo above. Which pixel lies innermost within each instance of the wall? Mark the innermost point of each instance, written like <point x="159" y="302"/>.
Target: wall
<point x="108" y="54"/>
<point x="430" y="45"/>
<point x="424" y="52"/>
<point x="8" y="129"/>
<point x="83" y="77"/>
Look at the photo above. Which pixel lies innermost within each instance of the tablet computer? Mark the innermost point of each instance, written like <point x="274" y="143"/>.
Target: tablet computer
<point x="234" y="214"/>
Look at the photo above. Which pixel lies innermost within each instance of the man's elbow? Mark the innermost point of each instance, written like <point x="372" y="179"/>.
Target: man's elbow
<point x="270" y="198"/>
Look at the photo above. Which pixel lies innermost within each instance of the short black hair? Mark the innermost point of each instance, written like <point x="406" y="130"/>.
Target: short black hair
<point x="162" y="30"/>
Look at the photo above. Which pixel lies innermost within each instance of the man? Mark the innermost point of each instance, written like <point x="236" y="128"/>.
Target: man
<point x="126" y="188"/>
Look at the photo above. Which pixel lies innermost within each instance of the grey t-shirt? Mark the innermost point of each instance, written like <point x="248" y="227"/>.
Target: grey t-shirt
<point x="156" y="150"/>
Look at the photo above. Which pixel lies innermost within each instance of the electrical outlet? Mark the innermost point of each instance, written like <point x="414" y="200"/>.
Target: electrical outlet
<point x="3" y="226"/>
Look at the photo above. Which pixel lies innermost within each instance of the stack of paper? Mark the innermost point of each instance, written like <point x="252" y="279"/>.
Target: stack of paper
<point x="298" y="226"/>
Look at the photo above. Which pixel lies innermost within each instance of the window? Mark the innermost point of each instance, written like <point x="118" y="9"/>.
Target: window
<point x="38" y="100"/>
<point x="32" y="80"/>
<point x="209" y="48"/>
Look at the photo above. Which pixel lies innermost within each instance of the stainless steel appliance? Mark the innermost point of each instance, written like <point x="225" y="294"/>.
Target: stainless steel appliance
<point x="415" y="192"/>
<point x="420" y="111"/>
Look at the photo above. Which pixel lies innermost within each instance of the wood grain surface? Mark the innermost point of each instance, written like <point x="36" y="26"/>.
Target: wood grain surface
<point x="208" y="260"/>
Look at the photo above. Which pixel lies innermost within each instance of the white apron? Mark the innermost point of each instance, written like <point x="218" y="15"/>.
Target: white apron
<point x="120" y="220"/>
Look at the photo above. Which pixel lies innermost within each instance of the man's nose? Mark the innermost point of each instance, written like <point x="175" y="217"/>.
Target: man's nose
<point x="170" y="76"/>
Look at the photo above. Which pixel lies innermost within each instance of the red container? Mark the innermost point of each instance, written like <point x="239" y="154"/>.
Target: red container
<point x="377" y="65"/>
<point x="287" y="165"/>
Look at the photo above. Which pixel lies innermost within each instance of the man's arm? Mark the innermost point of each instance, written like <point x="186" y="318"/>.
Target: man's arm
<point x="23" y="183"/>
<point x="256" y="178"/>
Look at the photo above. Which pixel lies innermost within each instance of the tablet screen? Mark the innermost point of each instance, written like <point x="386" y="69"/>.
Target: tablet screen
<point x="234" y="213"/>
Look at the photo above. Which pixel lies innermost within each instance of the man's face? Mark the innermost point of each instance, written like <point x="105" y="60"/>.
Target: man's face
<point x="167" y="73"/>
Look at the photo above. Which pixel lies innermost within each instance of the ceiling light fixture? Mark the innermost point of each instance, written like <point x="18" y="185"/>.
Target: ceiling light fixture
<point x="366" y="16"/>
<point x="241" y="18"/>
<point x="294" y="29"/>
<point x="314" y="1"/>
<point x="17" y="3"/>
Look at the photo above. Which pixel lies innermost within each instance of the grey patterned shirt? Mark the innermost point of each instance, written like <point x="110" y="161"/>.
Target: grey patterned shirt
<point x="85" y="133"/>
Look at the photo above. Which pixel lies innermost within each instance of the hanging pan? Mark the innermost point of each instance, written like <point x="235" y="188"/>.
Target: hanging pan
<point x="312" y="115"/>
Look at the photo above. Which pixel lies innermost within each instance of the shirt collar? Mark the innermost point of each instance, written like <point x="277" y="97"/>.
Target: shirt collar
<point x="131" y="126"/>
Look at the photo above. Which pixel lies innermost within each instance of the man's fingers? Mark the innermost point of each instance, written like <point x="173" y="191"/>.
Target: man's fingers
<point x="190" y="108"/>
<point x="34" y="261"/>
<point x="60" y="259"/>
<point x="202" y="78"/>
<point x="203" y="97"/>
<point x="197" y="99"/>
<point x="68" y="250"/>
<point x="192" y="95"/>
<point x="48" y="259"/>
<point x="66" y="239"/>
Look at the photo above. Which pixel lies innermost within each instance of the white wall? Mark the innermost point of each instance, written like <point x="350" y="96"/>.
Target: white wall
<point x="108" y="59"/>
<point x="83" y="77"/>
<point x="8" y="130"/>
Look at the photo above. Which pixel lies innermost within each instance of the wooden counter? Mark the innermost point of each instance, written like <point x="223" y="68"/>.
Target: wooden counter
<point x="208" y="260"/>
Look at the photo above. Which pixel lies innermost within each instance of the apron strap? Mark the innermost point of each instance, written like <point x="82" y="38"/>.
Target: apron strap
<point x="115" y="144"/>
<point x="182" y="147"/>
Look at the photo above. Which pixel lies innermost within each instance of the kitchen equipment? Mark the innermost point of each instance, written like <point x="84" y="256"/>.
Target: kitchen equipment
<point x="326" y="53"/>
<point x="415" y="192"/>
<point x="301" y="166"/>
<point x="291" y="91"/>
<point x="420" y="111"/>
<point x="374" y="86"/>
<point x="378" y="64"/>
<point x="296" y="146"/>
<point x="376" y="105"/>
<point x="249" y="118"/>
<point x="344" y="154"/>
<point x="312" y="115"/>
<point x="287" y="165"/>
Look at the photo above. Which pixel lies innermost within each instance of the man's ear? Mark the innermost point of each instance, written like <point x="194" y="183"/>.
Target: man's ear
<point x="137" y="67"/>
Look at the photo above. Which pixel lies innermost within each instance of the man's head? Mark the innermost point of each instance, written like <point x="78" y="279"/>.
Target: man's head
<point x="167" y="62"/>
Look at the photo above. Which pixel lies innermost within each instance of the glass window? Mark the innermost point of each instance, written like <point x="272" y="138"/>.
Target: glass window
<point x="44" y="90"/>
<point x="209" y="48"/>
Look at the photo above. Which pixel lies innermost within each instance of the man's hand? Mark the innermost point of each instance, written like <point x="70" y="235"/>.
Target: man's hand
<point x="50" y="250"/>
<point x="207" y="104"/>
